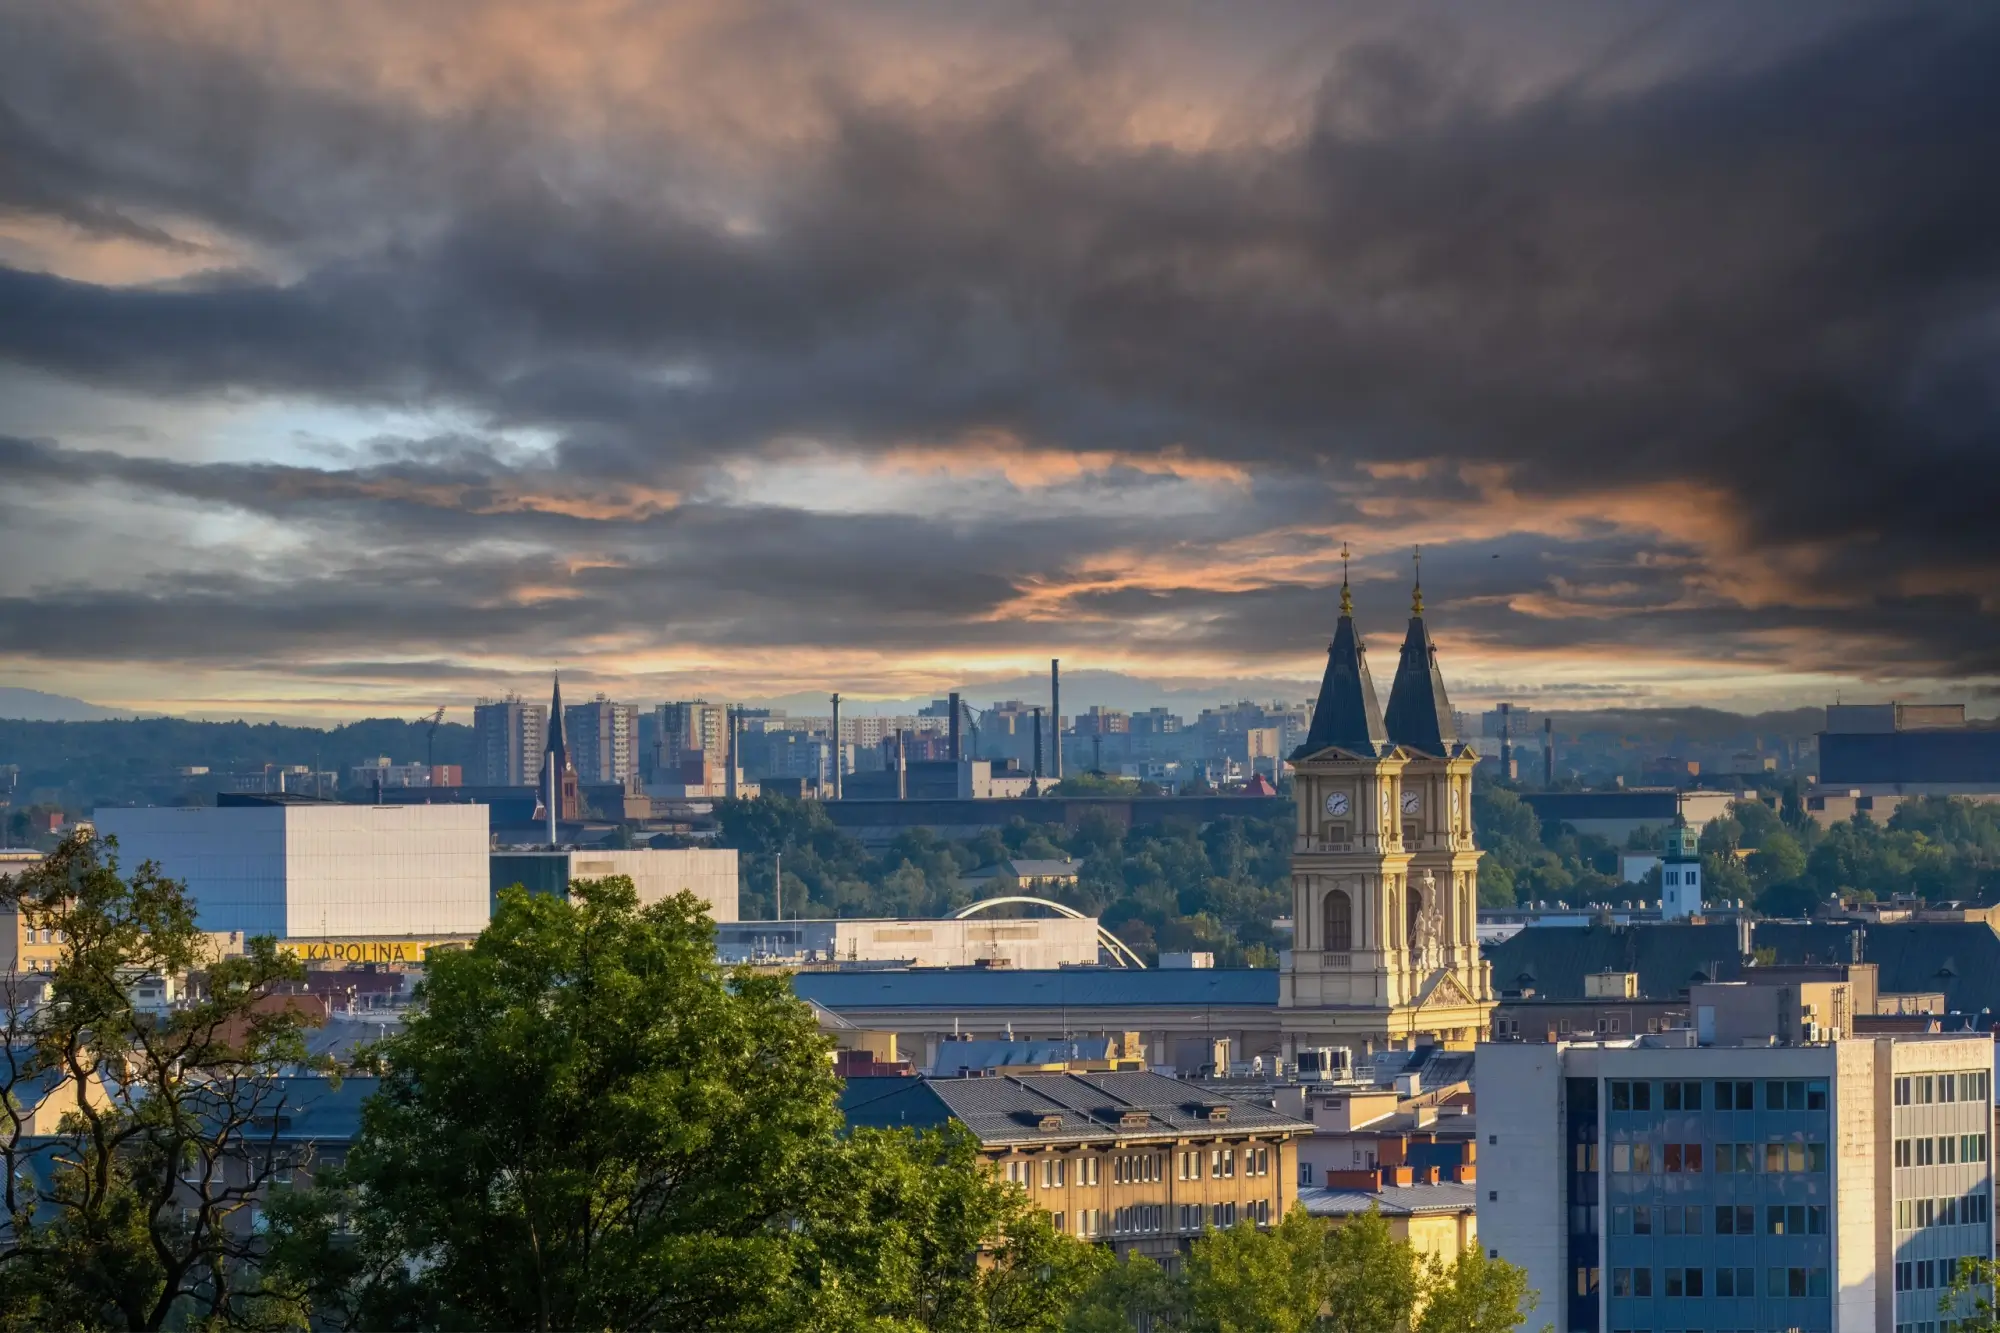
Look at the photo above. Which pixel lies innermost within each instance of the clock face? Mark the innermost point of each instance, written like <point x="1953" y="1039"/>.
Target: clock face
<point x="1336" y="803"/>
<point x="1412" y="802"/>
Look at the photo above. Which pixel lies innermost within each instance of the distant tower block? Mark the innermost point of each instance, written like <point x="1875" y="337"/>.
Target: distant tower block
<point x="1680" y="873"/>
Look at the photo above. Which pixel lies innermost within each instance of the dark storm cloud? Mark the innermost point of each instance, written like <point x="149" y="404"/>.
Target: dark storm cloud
<point x="1773" y="283"/>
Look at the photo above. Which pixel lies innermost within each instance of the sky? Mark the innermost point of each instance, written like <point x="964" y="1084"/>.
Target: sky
<point x="357" y="357"/>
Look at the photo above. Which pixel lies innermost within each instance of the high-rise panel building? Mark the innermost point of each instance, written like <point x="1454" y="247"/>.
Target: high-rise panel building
<point x="690" y="729"/>
<point x="508" y="739"/>
<point x="1657" y="1182"/>
<point x="603" y="741"/>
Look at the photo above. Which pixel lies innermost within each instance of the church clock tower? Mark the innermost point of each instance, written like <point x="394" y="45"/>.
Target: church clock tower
<point x="1385" y="877"/>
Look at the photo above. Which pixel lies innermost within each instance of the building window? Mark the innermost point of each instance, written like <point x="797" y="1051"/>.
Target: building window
<point x="1339" y="922"/>
<point x="1734" y="1095"/>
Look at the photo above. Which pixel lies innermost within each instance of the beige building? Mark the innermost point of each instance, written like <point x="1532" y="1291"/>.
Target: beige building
<point x="1137" y="1161"/>
<point x="1438" y="1218"/>
<point x="1385" y="874"/>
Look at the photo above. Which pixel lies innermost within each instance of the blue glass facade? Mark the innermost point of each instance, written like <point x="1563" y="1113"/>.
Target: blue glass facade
<point x="1718" y="1203"/>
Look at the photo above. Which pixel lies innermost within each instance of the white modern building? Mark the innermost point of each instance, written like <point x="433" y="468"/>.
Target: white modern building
<point x="1656" y="1183"/>
<point x="316" y="869"/>
<point x="1018" y="943"/>
<point x="710" y="873"/>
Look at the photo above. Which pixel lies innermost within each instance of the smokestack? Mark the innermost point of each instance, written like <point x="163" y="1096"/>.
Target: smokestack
<point x="902" y="768"/>
<point x="1038" y="744"/>
<point x="1055" y="718"/>
<point x="839" y="752"/>
<point x="1548" y="752"/>
<point x="729" y="751"/>
<point x="1506" y="741"/>
<point x="955" y="756"/>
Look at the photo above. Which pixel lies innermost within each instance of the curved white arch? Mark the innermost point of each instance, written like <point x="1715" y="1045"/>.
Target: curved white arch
<point x="1110" y="943"/>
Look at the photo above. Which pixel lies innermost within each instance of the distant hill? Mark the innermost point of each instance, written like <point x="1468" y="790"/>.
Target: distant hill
<point x="122" y="761"/>
<point x="35" y="706"/>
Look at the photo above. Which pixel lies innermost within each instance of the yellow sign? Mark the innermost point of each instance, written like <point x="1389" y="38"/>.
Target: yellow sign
<point x="366" y="951"/>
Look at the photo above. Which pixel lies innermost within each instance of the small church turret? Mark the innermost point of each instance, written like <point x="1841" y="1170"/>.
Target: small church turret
<point x="1680" y="872"/>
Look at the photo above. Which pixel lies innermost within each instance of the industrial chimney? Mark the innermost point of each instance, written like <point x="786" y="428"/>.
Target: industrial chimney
<point x="839" y="752"/>
<point x="953" y="733"/>
<point x="1038" y="745"/>
<point x="1055" y="718"/>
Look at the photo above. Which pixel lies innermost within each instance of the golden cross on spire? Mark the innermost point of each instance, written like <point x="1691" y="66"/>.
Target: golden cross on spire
<point x="1417" y="594"/>
<point x="1346" y="598"/>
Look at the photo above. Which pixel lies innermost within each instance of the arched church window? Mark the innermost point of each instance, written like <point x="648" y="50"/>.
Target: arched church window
<point x="1339" y="922"/>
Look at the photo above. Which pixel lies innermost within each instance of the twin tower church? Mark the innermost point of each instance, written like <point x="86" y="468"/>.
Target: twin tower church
<point x="1385" y="876"/>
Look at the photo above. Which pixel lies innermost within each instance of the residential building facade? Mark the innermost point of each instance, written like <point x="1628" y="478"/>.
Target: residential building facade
<point x="1137" y="1161"/>
<point x="1658" y="1184"/>
<point x="603" y="740"/>
<point x="508" y="739"/>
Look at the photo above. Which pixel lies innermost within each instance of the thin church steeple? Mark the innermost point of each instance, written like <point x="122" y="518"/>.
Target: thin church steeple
<point x="1420" y="716"/>
<point x="1348" y="715"/>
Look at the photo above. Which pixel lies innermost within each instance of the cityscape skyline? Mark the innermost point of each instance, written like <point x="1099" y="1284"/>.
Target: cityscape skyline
<point x="758" y="351"/>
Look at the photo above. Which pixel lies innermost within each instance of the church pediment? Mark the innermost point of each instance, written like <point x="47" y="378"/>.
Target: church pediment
<point x="1443" y="989"/>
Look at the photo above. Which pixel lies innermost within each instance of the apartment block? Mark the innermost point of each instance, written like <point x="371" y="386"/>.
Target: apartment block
<point x="509" y="737"/>
<point x="1135" y="1160"/>
<point x="1657" y="1184"/>
<point x="603" y="740"/>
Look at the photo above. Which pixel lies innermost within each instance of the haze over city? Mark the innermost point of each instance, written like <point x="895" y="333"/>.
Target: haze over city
<point x="400" y="353"/>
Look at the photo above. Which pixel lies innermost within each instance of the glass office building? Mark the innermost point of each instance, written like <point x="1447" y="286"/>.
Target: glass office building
<point x="1825" y="1188"/>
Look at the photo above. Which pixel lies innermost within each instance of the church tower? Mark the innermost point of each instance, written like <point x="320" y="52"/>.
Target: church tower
<point x="1384" y="873"/>
<point x="559" y="788"/>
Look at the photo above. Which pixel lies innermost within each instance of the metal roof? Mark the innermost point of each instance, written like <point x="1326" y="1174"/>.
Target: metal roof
<point x="1393" y="1200"/>
<point x="1061" y="1108"/>
<point x="1075" y="988"/>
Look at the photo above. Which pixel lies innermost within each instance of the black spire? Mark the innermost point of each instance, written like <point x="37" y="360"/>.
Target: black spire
<point x="1348" y="716"/>
<point x="1419" y="714"/>
<point x="557" y="746"/>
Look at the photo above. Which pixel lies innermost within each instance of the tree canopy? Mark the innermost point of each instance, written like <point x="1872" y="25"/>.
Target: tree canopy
<point x="590" y="1123"/>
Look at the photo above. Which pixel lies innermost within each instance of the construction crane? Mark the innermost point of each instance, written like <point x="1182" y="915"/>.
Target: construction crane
<point x="971" y="725"/>
<point x="431" y="724"/>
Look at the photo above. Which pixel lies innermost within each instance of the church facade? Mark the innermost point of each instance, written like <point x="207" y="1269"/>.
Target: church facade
<point x="1385" y="873"/>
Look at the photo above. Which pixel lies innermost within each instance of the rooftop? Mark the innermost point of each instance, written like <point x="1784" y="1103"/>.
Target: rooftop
<point x="1393" y="1200"/>
<point x="1102" y="1108"/>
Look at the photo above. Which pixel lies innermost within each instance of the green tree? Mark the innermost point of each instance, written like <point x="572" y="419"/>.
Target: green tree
<point x="1475" y="1295"/>
<point x="1778" y="860"/>
<point x="134" y="1213"/>
<point x="1243" y="1280"/>
<point x="1137" y="1293"/>
<point x="588" y="1124"/>
<point x="591" y="1123"/>
<point x="1373" y="1280"/>
<point x="1968" y="1303"/>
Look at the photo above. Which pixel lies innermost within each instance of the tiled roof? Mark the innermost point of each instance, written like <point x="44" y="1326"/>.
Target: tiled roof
<point x="1060" y="1108"/>
<point x="1075" y="988"/>
<point x="1393" y="1200"/>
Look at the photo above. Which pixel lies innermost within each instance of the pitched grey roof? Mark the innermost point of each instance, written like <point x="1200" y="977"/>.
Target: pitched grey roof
<point x="1348" y="716"/>
<point x="1394" y="1200"/>
<point x="954" y="1056"/>
<point x="1419" y="715"/>
<point x="1078" y="1108"/>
